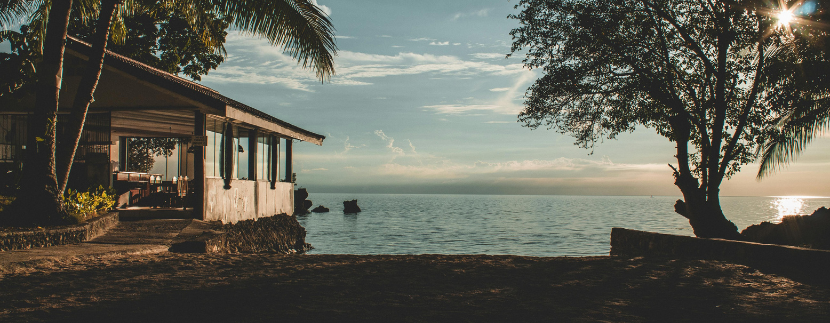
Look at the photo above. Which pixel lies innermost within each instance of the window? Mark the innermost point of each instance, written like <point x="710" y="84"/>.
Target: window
<point x="264" y="157"/>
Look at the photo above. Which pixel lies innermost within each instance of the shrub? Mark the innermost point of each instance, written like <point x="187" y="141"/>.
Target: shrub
<point x="83" y="206"/>
<point x="5" y="201"/>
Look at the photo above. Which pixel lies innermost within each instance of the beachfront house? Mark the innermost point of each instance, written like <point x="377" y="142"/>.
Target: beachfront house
<point x="229" y="161"/>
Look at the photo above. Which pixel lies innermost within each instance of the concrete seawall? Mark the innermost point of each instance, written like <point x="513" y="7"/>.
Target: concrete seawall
<point x="802" y="263"/>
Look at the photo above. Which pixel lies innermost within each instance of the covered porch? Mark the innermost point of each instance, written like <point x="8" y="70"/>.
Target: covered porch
<point x="223" y="160"/>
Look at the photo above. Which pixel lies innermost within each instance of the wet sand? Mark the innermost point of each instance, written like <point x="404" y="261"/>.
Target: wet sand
<point x="336" y="288"/>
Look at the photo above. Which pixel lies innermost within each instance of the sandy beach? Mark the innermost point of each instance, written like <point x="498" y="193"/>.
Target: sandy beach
<point x="337" y="288"/>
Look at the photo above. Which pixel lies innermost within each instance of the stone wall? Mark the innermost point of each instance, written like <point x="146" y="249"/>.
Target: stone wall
<point x="60" y="236"/>
<point x="246" y="200"/>
<point x="811" y="264"/>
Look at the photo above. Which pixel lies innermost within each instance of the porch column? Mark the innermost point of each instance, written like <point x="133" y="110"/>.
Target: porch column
<point x="289" y="170"/>
<point x="122" y="154"/>
<point x="252" y="154"/>
<point x="275" y="161"/>
<point x="199" y="168"/>
<point x="228" y="150"/>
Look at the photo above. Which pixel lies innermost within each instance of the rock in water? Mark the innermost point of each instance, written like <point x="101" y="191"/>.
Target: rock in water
<point x="350" y="206"/>
<point x="301" y="205"/>
<point x="320" y="209"/>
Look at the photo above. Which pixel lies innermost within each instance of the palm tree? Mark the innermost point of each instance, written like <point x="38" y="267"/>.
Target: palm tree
<point x="794" y="132"/>
<point x="300" y="27"/>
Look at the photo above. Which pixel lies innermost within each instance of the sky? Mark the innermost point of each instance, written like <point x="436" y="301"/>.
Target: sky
<point x="425" y="101"/>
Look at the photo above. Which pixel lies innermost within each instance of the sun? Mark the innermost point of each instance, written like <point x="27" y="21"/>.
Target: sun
<point x="785" y="17"/>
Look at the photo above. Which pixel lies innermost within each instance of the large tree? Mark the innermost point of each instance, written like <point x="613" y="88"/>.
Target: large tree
<point x="299" y="26"/>
<point x="711" y="76"/>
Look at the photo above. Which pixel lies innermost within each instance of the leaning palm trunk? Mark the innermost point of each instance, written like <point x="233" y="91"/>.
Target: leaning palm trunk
<point x="86" y="90"/>
<point x="39" y="200"/>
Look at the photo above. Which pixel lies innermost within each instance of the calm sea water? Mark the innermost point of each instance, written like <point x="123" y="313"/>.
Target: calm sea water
<point x="510" y="224"/>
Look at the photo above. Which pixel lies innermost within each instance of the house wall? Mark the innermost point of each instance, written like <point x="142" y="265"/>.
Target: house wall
<point x="246" y="200"/>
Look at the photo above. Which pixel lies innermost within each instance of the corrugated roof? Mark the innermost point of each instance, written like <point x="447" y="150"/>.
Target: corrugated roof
<point x="179" y="85"/>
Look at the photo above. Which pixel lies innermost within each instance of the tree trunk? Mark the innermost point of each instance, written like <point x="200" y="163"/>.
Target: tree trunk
<point x="39" y="202"/>
<point x="705" y="217"/>
<point x="86" y="90"/>
<point x="704" y="213"/>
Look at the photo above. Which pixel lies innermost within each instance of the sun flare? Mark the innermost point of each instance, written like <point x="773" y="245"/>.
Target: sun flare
<point x="785" y="17"/>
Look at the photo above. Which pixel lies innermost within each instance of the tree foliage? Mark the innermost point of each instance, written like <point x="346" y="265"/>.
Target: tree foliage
<point x="143" y="151"/>
<point x="18" y="65"/>
<point x="165" y="38"/>
<point x="714" y="75"/>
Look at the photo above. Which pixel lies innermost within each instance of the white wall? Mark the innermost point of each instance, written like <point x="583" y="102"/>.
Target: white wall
<point x="246" y="200"/>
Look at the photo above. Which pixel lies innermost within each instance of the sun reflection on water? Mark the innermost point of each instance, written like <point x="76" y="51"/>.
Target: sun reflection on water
<point x="787" y="205"/>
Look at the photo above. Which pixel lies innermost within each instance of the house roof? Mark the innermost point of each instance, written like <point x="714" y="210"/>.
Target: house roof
<point x="199" y="94"/>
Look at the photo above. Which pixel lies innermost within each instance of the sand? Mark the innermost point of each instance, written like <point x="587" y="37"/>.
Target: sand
<point x="341" y="288"/>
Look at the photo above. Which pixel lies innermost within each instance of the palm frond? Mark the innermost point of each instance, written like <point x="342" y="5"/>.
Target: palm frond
<point x="300" y="27"/>
<point x="13" y="12"/>
<point x="796" y="131"/>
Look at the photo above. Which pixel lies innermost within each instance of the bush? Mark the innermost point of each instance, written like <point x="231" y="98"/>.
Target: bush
<point x="83" y="206"/>
<point x="4" y="201"/>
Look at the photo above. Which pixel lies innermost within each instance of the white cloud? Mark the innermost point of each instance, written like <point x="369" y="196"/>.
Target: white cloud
<point x="255" y="61"/>
<point x="338" y="81"/>
<point x="390" y="143"/>
<point x="500" y="89"/>
<point x="487" y="55"/>
<point x="314" y="170"/>
<point x="324" y="9"/>
<point x="385" y="36"/>
<point x="560" y="167"/>
<point x="422" y="39"/>
<point x="411" y="146"/>
<point x="344" y="37"/>
<point x="348" y="146"/>
<point x="443" y="43"/>
<point x="477" y="13"/>
<point x="458" y="109"/>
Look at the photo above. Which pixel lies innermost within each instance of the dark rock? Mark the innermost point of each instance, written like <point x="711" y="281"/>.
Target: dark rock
<point x="320" y="209"/>
<point x="350" y="206"/>
<point x="276" y="234"/>
<point x="812" y="231"/>
<point x="301" y="205"/>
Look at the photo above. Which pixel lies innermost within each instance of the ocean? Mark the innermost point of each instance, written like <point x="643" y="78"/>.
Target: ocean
<point x="538" y="225"/>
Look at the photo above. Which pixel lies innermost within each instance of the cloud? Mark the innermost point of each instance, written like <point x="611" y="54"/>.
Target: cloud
<point x="348" y="146"/>
<point x="314" y="170"/>
<point x="557" y="168"/>
<point x="458" y="109"/>
<point x="390" y="143"/>
<point x="443" y="43"/>
<point x="422" y="39"/>
<point x="411" y="146"/>
<point x="255" y="61"/>
<point x="344" y="37"/>
<point x="500" y="89"/>
<point x="499" y="122"/>
<point x="487" y="55"/>
<point x="477" y="13"/>
<point x="324" y="9"/>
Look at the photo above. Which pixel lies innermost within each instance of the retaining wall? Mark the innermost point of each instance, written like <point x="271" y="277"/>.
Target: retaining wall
<point x="812" y="264"/>
<point x="54" y="237"/>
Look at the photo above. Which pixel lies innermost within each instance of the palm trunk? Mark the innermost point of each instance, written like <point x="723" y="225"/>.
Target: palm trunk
<point x="86" y="90"/>
<point x="39" y="202"/>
